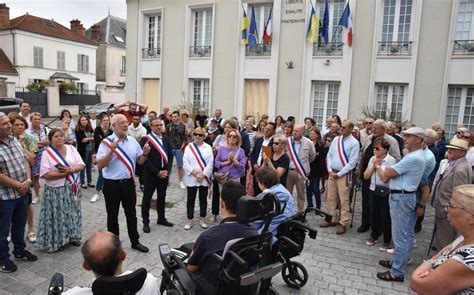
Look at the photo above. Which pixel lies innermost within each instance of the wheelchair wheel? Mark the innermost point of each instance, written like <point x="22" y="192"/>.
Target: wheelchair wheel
<point x="294" y="274"/>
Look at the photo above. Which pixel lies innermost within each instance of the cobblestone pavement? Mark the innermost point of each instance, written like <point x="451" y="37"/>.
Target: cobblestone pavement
<point x="336" y="264"/>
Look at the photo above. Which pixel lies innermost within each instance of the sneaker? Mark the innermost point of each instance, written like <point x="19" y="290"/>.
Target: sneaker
<point x="415" y="244"/>
<point x="94" y="198"/>
<point x="371" y="242"/>
<point x="386" y="247"/>
<point x="25" y="256"/>
<point x="8" y="266"/>
<point x="34" y="200"/>
<point x="181" y="185"/>
<point x="188" y="225"/>
<point x="204" y="225"/>
<point x="391" y="250"/>
<point x="213" y="218"/>
<point x="31" y="237"/>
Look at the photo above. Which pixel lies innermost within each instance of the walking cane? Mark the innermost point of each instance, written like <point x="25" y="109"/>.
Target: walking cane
<point x="432" y="240"/>
<point x="353" y="202"/>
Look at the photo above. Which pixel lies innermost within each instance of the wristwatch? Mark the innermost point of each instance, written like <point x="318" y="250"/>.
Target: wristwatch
<point x="421" y="206"/>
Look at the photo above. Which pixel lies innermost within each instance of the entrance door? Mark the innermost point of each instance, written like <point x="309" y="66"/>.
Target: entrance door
<point x="151" y="93"/>
<point x="256" y="98"/>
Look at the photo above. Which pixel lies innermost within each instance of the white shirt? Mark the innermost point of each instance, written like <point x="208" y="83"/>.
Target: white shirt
<point x="470" y="155"/>
<point x="266" y="142"/>
<point x="375" y="179"/>
<point x="190" y="164"/>
<point x="351" y="147"/>
<point x="137" y="132"/>
<point x="150" y="286"/>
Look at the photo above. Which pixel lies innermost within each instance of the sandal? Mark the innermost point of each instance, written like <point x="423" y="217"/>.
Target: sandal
<point x="389" y="277"/>
<point x="385" y="263"/>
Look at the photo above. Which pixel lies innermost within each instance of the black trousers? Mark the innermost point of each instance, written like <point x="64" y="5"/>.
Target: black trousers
<point x="152" y="184"/>
<point x="116" y="191"/>
<point x="380" y="222"/>
<point x="365" y="203"/>
<point x="192" y="191"/>
<point x="216" y="196"/>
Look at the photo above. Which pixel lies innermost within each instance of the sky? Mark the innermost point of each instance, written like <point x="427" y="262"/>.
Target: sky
<point x="62" y="11"/>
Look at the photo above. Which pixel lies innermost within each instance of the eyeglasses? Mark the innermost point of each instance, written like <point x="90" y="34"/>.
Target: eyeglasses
<point x="198" y="134"/>
<point x="450" y="206"/>
<point x="376" y="148"/>
<point x="369" y="123"/>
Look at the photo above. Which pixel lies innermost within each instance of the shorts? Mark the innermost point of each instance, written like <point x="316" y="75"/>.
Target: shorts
<point x="178" y="154"/>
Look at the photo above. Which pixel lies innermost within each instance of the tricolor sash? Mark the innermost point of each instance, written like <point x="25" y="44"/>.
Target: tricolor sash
<point x="199" y="159"/>
<point x="72" y="179"/>
<point x="343" y="158"/>
<point x="155" y="142"/>
<point x="122" y="156"/>
<point x="295" y="159"/>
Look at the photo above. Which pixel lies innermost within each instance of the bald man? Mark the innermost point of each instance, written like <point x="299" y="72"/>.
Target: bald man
<point x="104" y="256"/>
<point x="302" y="152"/>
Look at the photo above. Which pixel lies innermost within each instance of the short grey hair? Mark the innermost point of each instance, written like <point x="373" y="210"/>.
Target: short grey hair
<point x="116" y="117"/>
<point x="2" y="114"/>
<point x="431" y="133"/>
<point x="280" y="138"/>
<point x="381" y="123"/>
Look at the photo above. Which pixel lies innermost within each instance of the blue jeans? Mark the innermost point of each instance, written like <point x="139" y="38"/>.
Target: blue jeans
<point x="313" y="188"/>
<point x="88" y="169"/>
<point x="100" y="181"/>
<point x="403" y="214"/>
<point x="12" y="219"/>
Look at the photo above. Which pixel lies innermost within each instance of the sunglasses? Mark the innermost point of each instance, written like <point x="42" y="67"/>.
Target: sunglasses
<point x="276" y="143"/>
<point x="370" y="123"/>
<point x="198" y="134"/>
<point x="376" y="148"/>
<point x="232" y="136"/>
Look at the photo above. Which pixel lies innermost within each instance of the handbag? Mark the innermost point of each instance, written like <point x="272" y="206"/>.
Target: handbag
<point x="382" y="191"/>
<point x="221" y="177"/>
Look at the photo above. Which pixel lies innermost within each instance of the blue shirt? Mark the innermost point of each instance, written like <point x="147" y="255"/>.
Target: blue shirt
<point x="116" y="169"/>
<point x="351" y="148"/>
<point x="286" y="202"/>
<point x="430" y="162"/>
<point x="410" y="171"/>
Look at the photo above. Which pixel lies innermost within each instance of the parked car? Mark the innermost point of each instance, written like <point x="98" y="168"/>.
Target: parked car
<point x="10" y="104"/>
<point x="100" y="109"/>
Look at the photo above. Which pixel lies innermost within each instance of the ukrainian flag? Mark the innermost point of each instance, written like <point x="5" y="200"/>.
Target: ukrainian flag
<point x="313" y="26"/>
<point x="245" y="27"/>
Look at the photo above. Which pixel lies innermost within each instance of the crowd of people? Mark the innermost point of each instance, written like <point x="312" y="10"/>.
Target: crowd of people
<point x="398" y="169"/>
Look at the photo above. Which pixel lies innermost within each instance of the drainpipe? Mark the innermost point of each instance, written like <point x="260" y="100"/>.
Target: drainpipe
<point x="138" y="50"/>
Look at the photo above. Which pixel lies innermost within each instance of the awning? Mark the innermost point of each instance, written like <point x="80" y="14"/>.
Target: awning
<point x="63" y="76"/>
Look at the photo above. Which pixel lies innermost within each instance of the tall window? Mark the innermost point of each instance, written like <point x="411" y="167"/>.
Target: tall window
<point x="464" y="20"/>
<point x="38" y="57"/>
<point x="202" y="27"/>
<point x="83" y="63"/>
<point x="123" y="66"/>
<point x="262" y="11"/>
<point x="390" y="100"/>
<point x="460" y="109"/>
<point x="61" y="56"/>
<point x="336" y="8"/>
<point x="200" y="95"/>
<point x="396" y="26"/>
<point x="325" y="101"/>
<point x="154" y="32"/>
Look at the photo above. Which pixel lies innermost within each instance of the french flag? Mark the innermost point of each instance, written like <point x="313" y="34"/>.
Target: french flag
<point x="267" y="34"/>
<point x="346" y="22"/>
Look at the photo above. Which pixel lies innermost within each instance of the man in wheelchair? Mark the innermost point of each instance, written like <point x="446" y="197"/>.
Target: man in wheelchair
<point x="103" y="255"/>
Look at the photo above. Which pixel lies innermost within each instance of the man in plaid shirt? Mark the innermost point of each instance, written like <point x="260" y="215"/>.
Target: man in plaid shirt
<point x="14" y="185"/>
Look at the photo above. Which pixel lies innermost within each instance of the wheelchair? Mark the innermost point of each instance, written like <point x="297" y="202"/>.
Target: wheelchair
<point x="246" y="265"/>
<point x="291" y="236"/>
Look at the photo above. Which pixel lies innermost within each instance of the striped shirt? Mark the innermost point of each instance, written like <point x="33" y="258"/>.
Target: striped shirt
<point x="13" y="165"/>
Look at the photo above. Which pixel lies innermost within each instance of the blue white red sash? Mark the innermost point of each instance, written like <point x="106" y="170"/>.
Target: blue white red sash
<point x="155" y="142"/>
<point x="341" y="152"/>
<point x="199" y="159"/>
<point x="72" y="179"/>
<point x="122" y="156"/>
<point x="294" y="158"/>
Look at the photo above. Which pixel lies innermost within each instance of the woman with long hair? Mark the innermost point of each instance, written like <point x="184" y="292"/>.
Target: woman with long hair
<point x="67" y="114"/>
<point x="279" y="124"/>
<point x="27" y="141"/>
<point x="60" y="220"/>
<point x="260" y="129"/>
<point x="40" y="134"/>
<point x="85" y="141"/>
<point x="100" y="133"/>
<point x="230" y="161"/>
<point x="317" y="168"/>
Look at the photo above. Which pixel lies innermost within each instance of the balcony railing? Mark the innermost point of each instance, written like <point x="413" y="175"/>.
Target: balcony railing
<point x="258" y="50"/>
<point x="328" y="49"/>
<point x="199" y="51"/>
<point x="390" y="48"/>
<point x="148" y="53"/>
<point x="463" y="47"/>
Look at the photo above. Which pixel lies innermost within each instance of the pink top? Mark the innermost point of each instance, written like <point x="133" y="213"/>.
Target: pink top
<point x="47" y="165"/>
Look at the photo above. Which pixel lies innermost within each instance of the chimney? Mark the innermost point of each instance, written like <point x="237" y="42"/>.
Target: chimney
<point x="77" y="27"/>
<point x="4" y="15"/>
<point x="95" y="31"/>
